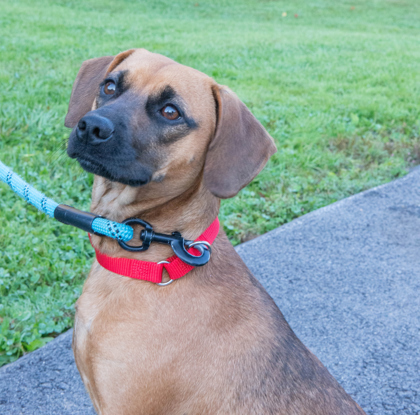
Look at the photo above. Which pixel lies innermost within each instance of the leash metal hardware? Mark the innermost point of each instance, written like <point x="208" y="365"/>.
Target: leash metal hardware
<point x="147" y="234"/>
<point x="196" y="243"/>
<point x="164" y="284"/>
<point x="176" y="241"/>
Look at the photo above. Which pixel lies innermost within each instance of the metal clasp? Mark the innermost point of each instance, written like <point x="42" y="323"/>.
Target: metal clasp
<point x="178" y="244"/>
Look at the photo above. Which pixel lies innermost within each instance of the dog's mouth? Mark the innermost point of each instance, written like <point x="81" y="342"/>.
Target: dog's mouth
<point x="92" y="166"/>
<point x="97" y="168"/>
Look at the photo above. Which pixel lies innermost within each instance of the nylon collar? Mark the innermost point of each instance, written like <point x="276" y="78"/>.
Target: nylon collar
<point x="152" y="271"/>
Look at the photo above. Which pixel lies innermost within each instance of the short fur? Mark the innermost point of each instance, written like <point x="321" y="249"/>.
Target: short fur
<point x="212" y="342"/>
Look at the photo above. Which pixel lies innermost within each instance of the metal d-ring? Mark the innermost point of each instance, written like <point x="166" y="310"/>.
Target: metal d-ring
<point x="205" y="243"/>
<point x="164" y="284"/>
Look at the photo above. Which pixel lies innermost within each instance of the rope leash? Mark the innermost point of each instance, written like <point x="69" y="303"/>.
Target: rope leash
<point x="92" y="223"/>
<point x="63" y="213"/>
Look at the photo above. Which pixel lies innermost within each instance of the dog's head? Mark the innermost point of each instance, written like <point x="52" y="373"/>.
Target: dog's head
<point x="142" y="119"/>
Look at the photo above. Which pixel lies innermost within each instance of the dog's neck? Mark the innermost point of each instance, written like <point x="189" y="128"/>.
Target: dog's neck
<point x="189" y="213"/>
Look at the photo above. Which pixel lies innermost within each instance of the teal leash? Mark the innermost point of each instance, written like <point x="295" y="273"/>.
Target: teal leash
<point x="95" y="224"/>
<point x="66" y="214"/>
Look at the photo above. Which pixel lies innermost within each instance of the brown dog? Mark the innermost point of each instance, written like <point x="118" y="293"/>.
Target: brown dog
<point x="166" y="143"/>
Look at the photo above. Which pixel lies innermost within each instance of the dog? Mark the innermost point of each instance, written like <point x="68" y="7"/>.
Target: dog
<point x="166" y="143"/>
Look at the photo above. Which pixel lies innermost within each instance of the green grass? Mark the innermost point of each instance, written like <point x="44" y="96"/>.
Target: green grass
<point x="337" y="87"/>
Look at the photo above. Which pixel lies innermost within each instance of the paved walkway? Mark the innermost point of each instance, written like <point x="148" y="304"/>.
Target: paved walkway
<point x="347" y="278"/>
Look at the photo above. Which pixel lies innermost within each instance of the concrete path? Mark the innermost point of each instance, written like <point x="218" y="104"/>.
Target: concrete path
<point x="346" y="277"/>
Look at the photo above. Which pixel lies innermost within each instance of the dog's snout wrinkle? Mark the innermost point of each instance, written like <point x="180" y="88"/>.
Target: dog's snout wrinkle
<point x="94" y="129"/>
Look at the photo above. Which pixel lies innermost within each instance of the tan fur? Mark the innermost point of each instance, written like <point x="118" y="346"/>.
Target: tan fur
<point x="212" y="342"/>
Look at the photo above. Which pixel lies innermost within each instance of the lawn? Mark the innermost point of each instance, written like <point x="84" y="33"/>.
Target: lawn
<point x="336" y="83"/>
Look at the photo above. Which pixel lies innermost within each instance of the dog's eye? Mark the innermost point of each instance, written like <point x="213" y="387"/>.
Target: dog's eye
<point x="170" y="112"/>
<point x="110" y="88"/>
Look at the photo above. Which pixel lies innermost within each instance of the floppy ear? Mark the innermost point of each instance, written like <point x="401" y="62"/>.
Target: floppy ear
<point x="239" y="149"/>
<point x="85" y="87"/>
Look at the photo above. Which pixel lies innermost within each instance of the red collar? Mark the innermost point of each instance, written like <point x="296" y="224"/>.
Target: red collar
<point x="152" y="271"/>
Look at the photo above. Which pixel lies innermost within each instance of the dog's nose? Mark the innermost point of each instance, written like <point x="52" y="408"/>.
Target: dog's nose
<point x="94" y="129"/>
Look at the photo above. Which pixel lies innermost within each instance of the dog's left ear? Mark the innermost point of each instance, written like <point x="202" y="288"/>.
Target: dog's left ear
<point x="239" y="149"/>
<point x="86" y="85"/>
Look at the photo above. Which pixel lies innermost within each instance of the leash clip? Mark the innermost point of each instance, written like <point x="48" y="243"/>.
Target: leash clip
<point x="178" y="244"/>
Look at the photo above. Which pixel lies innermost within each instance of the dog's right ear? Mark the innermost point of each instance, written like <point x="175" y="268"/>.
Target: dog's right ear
<point x="85" y="88"/>
<point x="239" y="149"/>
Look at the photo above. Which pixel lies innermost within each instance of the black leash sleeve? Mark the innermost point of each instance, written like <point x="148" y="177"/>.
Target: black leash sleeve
<point x="75" y="217"/>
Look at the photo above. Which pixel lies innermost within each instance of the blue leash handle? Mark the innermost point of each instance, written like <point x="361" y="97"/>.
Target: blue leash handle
<point x="63" y="213"/>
